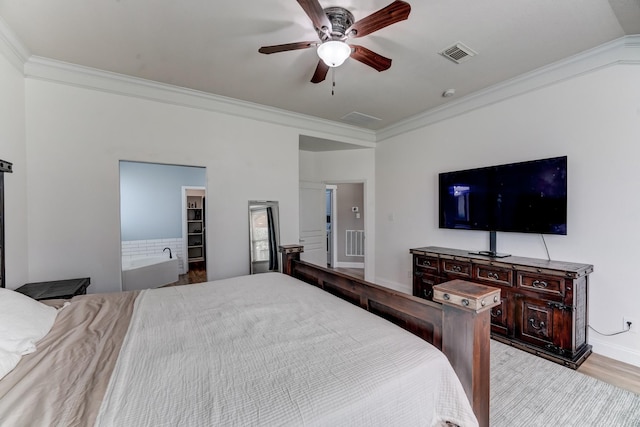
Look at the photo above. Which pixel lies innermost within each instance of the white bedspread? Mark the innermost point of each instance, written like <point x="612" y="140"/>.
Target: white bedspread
<point x="270" y="350"/>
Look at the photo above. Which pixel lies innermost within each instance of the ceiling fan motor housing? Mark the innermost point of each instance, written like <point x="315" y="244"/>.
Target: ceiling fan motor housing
<point x="341" y="19"/>
<point x="334" y="26"/>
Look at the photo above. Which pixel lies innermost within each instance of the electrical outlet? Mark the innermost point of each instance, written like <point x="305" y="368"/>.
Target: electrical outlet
<point x="634" y="325"/>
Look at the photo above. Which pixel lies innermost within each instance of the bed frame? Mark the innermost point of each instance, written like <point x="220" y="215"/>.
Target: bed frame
<point x="458" y="323"/>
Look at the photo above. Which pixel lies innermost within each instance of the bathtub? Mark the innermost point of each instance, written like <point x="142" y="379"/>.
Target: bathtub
<point x="148" y="272"/>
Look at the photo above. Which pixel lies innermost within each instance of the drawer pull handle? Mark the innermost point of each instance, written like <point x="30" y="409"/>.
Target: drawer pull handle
<point x="532" y="321"/>
<point x="426" y="293"/>
<point x="456" y="268"/>
<point x="496" y="313"/>
<point x="419" y="273"/>
<point x="492" y="275"/>
<point x="446" y="297"/>
<point x="426" y="263"/>
<point x="495" y="298"/>
<point x="539" y="284"/>
<point x="465" y="302"/>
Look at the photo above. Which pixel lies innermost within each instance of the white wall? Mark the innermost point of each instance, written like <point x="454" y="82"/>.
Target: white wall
<point x="348" y="166"/>
<point x="12" y="149"/>
<point x="594" y="119"/>
<point x="77" y="137"/>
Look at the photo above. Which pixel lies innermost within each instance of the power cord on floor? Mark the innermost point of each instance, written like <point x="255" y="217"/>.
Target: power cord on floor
<point x="615" y="333"/>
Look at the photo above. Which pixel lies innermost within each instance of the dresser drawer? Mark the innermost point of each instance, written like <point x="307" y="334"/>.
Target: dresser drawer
<point x="546" y="285"/>
<point x="491" y="275"/>
<point x="456" y="268"/>
<point x="427" y="263"/>
<point x="423" y="284"/>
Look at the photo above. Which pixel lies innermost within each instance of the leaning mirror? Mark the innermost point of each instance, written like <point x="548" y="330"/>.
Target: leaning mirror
<point x="264" y="236"/>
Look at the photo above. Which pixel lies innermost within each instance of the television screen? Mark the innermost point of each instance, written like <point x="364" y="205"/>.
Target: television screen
<point x="526" y="197"/>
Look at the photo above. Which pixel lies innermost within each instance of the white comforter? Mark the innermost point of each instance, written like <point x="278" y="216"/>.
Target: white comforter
<point x="270" y="350"/>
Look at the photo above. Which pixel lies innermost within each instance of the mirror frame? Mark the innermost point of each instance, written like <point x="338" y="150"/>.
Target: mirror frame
<point x="264" y="204"/>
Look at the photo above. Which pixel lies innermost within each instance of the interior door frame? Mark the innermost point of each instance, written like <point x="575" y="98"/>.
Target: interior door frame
<point x="334" y="223"/>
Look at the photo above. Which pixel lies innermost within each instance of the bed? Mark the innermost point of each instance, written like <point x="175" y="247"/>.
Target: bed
<point x="257" y="350"/>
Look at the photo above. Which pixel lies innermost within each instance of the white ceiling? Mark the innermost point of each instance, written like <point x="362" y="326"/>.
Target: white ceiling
<point x="212" y="46"/>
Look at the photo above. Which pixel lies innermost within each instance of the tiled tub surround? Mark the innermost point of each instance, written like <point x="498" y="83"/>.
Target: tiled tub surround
<point x="153" y="248"/>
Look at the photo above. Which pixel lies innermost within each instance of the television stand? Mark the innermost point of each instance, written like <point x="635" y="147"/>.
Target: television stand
<point x="490" y="254"/>
<point x="493" y="246"/>
<point x="543" y="304"/>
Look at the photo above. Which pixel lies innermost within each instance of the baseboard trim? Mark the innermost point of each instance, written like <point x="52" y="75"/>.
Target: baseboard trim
<point x="617" y="352"/>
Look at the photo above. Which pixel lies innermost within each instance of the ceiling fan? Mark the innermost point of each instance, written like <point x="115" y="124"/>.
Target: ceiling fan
<point x="335" y="26"/>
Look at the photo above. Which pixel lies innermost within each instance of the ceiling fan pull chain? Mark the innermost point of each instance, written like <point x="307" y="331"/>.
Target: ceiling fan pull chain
<point x="333" y="80"/>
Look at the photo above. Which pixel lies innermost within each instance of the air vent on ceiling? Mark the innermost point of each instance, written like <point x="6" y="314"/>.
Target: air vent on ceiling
<point x="458" y="53"/>
<point x="359" y="119"/>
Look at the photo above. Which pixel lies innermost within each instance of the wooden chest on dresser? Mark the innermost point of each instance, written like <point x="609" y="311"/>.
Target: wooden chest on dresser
<point x="543" y="307"/>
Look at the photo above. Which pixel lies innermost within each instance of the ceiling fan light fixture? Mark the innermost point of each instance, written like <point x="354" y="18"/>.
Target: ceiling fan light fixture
<point x="334" y="52"/>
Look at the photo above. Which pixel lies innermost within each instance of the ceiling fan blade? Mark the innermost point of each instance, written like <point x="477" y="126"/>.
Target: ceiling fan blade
<point x="395" y="12"/>
<point x="321" y="72"/>
<point x="370" y="58"/>
<point x="315" y="12"/>
<point x="288" y="46"/>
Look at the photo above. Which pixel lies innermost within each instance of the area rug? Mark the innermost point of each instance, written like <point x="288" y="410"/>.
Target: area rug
<point x="530" y="391"/>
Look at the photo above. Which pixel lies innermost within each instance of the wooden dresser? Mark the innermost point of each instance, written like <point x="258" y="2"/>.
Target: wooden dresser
<point x="543" y="306"/>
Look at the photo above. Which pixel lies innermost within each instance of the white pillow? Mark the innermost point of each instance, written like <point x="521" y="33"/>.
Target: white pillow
<point x="23" y="322"/>
<point x="8" y="361"/>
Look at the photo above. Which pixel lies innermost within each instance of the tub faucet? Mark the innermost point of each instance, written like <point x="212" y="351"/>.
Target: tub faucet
<point x="170" y="256"/>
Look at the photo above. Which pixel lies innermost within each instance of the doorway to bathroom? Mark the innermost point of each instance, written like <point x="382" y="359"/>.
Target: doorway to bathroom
<point x="153" y="224"/>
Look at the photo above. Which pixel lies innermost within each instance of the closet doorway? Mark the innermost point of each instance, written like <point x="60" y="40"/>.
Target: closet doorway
<point x="194" y="236"/>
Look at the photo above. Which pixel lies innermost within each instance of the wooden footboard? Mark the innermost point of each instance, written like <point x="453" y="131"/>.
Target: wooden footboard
<point x="458" y="324"/>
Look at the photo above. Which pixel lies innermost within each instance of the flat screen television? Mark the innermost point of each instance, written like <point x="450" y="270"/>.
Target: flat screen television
<point x="525" y="197"/>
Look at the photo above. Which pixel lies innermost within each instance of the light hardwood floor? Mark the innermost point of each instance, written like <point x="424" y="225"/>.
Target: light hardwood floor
<point x="612" y="371"/>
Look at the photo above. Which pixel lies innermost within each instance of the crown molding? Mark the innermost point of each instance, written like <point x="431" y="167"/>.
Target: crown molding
<point x="41" y="68"/>
<point x="625" y="50"/>
<point x="90" y="78"/>
<point x="12" y="48"/>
